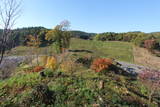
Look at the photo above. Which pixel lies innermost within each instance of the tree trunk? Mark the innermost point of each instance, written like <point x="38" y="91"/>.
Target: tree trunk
<point x="2" y="54"/>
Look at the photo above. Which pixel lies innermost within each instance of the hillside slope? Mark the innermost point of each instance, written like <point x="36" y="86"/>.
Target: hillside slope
<point x="80" y="88"/>
<point x="144" y="57"/>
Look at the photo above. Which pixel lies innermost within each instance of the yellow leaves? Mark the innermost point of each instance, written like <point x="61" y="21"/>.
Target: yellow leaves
<point x="47" y="62"/>
<point x="61" y="37"/>
<point x="33" y="41"/>
<point x="51" y="63"/>
<point x="51" y="35"/>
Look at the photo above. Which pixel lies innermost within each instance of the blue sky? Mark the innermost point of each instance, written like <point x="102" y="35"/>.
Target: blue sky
<point x="93" y="15"/>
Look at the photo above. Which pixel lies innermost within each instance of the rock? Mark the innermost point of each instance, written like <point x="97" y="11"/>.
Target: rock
<point x="101" y="84"/>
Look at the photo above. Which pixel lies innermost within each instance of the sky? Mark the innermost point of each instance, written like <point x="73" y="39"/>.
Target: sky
<point x="93" y="15"/>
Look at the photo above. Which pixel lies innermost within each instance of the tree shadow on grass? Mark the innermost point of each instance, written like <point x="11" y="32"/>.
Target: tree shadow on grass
<point x="76" y="50"/>
<point x="118" y="70"/>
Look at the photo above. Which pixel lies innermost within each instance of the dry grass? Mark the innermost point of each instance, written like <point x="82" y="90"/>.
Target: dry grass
<point x="144" y="57"/>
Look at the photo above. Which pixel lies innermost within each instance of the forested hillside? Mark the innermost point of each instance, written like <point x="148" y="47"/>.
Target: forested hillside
<point x="20" y="35"/>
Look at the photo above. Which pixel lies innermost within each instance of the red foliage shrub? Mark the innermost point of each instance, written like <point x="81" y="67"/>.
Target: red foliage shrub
<point x="101" y="64"/>
<point x="37" y="69"/>
<point x="149" y="44"/>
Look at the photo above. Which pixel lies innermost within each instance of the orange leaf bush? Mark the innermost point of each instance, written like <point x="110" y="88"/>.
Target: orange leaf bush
<point x="37" y="69"/>
<point x="101" y="64"/>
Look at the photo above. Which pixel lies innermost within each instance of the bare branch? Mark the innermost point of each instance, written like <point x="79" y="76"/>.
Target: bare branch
<point x="9" y="12"/>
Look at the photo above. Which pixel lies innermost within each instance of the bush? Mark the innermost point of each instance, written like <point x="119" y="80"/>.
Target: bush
<point x="101" y="64"/>
<point x="150" y="44"/>
<point x="47" y="73"/>
<point x="85" y="61"/>
<point x="37" y="69"/>
<point x="157" y="45"/>
<point x="68" y="66"/>
<point x="51" y="63"/>
<point x="108" y="36"/>
<point x="139" y="40"/>
<point x="41" y="95"/>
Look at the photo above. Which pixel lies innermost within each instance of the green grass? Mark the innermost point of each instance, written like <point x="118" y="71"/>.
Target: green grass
<point x="113" y="49"/>
<point x="20" y="80"/>
<point x="74" y="90"/>
<point x="77" y="89"/>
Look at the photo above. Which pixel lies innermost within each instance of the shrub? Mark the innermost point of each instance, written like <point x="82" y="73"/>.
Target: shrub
<point x="51" y="63"/>
<point x="139" y="40"/>
<point x="68" y="66"/>
<point x="85" y="61"/>
<point x="149" y="44"/>
<point x="101" y="64"/>
<point x="157" y="45"/>
<point x="48" y="72"/>
<point x="135" y="101"/>
<point x="37" y="69"/>
<point x="39" y="96"/>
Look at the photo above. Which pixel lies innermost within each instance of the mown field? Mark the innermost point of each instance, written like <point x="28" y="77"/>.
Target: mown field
<point x="118" y="50"/>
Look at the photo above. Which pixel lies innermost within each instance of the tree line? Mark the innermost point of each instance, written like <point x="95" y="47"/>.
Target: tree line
<point x="141" y="39"/>
<point x="21" y="36"/>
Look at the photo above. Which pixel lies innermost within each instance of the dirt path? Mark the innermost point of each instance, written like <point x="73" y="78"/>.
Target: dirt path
<point x="144" y="57"/>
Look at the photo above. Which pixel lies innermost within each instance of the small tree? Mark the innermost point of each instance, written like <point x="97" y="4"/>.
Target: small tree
<point x="60" y="35"/>
<point x="9" y="12"/>
<point x="151" y="78"/>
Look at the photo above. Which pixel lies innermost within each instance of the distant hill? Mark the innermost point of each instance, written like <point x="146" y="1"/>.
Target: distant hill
<point x="36" y="30"/>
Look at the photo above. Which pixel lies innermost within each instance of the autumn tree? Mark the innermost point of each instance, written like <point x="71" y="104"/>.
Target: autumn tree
<point x="34" y="42"/>
<point x="60" y="35"/>
<point x="9" y="12"/>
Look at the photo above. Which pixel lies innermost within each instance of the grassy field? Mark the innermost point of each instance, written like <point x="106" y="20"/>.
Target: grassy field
<point x="113" y="49"/>
<point x="118" y="50"/>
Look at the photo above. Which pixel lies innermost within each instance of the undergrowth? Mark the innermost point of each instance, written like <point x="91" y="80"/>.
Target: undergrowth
<point x="63" y="89"/>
